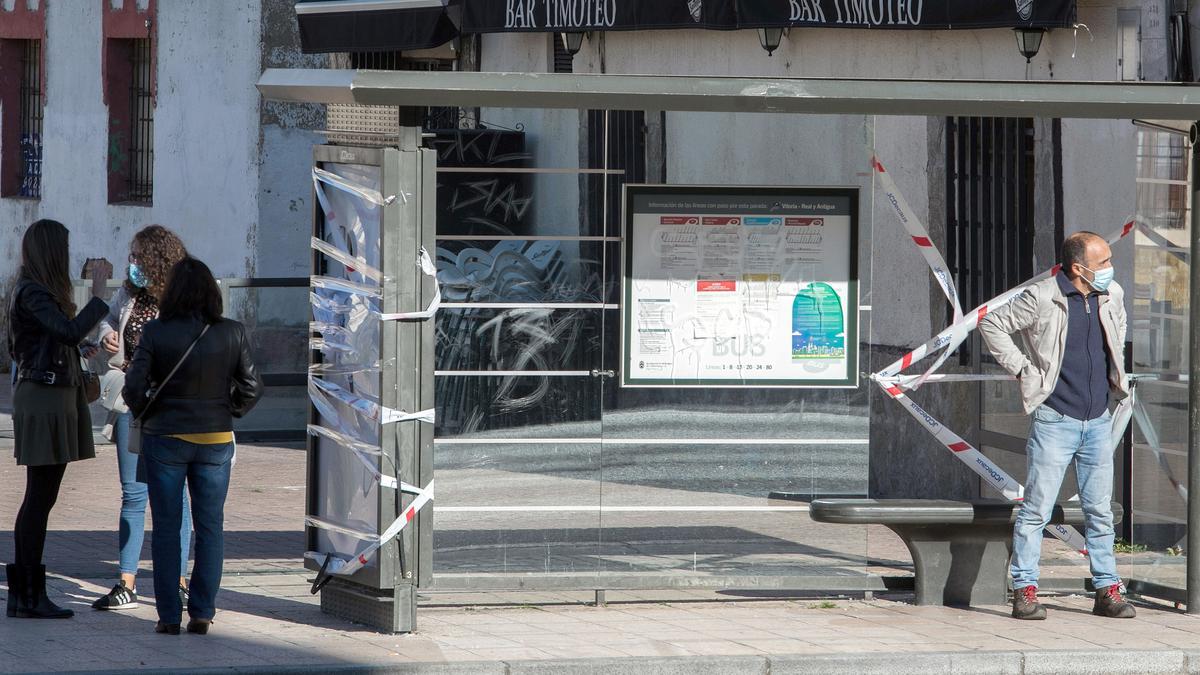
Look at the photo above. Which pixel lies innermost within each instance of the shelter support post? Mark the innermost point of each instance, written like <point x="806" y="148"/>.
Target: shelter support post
<point x="1193" y="508"/>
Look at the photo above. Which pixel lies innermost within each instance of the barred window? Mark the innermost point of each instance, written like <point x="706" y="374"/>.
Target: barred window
<point x="129" y="92"/>
<point x="989" y="205"/>
<point x="21" y="118"/>
<point x="30" y="166"/>
<point x="141" y="119"/>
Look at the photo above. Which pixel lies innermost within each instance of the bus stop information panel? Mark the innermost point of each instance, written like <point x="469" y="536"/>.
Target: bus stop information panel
<point x="740" y="287"/>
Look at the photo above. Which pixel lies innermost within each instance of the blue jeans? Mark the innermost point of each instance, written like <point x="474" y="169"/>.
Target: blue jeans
<point x="132" y="527"/>
<point x="169" y="461"/>
<point x="1056" y="441"/>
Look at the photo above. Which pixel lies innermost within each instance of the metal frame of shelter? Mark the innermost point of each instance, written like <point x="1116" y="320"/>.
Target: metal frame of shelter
<point x="1096" y="100"/>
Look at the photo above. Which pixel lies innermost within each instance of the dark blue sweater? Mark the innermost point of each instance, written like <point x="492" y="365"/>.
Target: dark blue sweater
<point x="1082" y="388"/>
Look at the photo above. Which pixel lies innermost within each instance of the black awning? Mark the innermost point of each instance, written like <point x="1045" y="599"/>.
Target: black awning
<point x="374" y="25"/>
<point x="549" y="16"/>
<point x="502" y="16"/>
<point x="394" y="25"/>
<point x="906" y="14"/>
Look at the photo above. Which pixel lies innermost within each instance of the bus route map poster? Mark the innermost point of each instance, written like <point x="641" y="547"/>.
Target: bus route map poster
<point x="740" y="287"/>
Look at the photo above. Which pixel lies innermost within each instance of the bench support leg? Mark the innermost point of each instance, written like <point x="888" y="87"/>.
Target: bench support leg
<point x="959" y="565"/>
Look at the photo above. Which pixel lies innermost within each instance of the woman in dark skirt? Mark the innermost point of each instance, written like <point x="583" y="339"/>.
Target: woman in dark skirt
<point x="51" y="422"/>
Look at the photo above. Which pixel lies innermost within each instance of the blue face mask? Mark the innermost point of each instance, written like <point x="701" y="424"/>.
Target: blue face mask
<point x="1100" y="278"/>
<point x="138" y="277"/>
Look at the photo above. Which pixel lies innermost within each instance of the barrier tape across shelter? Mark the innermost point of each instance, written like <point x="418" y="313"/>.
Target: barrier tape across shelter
<point x="891" y="380"/>
<point x="324" y="394"/>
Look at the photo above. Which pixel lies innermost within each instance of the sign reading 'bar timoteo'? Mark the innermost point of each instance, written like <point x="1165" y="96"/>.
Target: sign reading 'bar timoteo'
<point x="907" y="14"/>
<point x="489" y="16"/>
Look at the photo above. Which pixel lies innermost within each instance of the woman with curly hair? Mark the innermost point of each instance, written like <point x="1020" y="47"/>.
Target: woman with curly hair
<point x="152" y="253"/>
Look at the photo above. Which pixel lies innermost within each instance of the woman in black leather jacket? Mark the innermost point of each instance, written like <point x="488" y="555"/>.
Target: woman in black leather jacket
<point x="51" y="422"/>
<point x="187" y="431"/>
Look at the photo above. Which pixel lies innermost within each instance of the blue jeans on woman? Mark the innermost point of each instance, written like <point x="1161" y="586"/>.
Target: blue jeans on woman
<point x="1056" y="441"/>
<point x="132" y="528"/>
<point x="169" y="461"/>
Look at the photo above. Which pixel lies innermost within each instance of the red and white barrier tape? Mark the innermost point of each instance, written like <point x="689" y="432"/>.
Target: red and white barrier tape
<point x="891" y="380"/>
<point x="933" y="257"/>
<point x="920" y="236"/>
<point x="345" y="566"/>
<point x="950" y="338"/>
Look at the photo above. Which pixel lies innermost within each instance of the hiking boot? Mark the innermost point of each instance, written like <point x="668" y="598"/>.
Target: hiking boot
<point x="1026" y="606"/>
<point x="120" y="597"/>
<point x="1110" y="603"/>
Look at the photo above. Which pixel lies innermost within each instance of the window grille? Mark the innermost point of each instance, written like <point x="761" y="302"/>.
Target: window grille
<point x="989" y="205"/>
<point x="141" y="131"/>
<point x="376" y="61"/>
<point x="564" y="62"/>
<point x="30" y="164"/>
<point x="616" y="141"/>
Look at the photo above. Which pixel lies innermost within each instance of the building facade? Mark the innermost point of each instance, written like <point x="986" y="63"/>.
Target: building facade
<point x="116" y="115"/>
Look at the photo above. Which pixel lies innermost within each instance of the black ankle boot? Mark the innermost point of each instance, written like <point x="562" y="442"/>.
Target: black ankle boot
<point x="33" y="603"/>
<point x="16" y="586"/>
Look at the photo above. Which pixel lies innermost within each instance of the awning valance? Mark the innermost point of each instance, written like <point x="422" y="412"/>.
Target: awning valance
<point x="376" y="25"/>
<point x="493" y="16"/>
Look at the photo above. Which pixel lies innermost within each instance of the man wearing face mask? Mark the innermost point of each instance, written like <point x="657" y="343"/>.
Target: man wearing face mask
<point x="1064" y="339"/>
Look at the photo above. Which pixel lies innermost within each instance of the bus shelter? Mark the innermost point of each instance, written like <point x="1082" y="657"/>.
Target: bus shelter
<point x="419" y="303"/>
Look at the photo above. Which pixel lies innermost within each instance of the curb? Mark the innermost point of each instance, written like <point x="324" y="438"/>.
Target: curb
<point x="1073" y="662"/>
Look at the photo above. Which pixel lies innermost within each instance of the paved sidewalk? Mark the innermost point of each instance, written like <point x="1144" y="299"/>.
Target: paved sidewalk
<point x="269" y="623"/>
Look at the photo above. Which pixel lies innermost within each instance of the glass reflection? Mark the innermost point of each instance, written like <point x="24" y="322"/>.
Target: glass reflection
<point x="546" y="270"/>
<point x="656" y="481"/>
<point x="1159" y="331"/>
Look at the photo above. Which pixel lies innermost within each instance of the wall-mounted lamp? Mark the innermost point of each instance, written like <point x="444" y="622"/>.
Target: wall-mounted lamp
<point x="1029" y="41"/>
<point x="770" y="38"/>
<point x="571" y="42"/>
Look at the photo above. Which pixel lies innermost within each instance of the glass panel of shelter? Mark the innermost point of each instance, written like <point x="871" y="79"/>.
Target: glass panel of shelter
<point x="711" y="482"/>
<point x="544" y="463"/>
<point x="519" y="335"/>
<point x="1159" y="331"/>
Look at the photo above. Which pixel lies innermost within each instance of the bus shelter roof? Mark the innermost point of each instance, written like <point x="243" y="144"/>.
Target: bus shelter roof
<point x="829" y="96"/>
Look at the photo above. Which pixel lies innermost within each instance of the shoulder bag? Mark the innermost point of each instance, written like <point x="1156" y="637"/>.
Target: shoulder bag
<point x="135" y="427"/>
<point x="90" y="381"/>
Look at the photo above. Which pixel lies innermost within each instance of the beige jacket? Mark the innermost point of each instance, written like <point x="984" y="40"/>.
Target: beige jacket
<point x="1029" y="335"/>
<point x="119" y="309"/>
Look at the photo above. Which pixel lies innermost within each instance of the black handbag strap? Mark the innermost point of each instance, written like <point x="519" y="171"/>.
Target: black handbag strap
<point x="154" y="394"/>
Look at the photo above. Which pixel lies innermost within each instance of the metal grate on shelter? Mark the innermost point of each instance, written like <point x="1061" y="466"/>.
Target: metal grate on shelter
<point x="379" y="125"/>
<point x="30" y="166"/>
<point x="141" y="120"/>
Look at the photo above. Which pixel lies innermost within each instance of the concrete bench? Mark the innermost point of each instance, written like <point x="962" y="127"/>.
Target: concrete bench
<point x="960" y="549"/>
